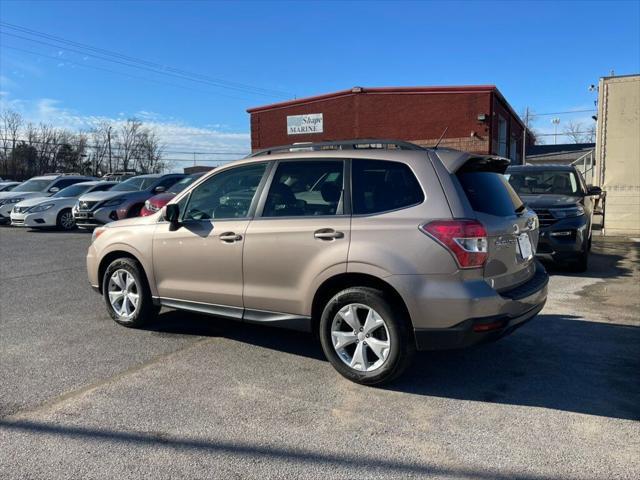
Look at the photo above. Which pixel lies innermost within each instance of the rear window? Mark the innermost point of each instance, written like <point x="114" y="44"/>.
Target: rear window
<point x="490" y="193"/>
<point x="381" y="186"/>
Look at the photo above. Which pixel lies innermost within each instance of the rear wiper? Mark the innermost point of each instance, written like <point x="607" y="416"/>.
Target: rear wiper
<point x="521" y="208"/>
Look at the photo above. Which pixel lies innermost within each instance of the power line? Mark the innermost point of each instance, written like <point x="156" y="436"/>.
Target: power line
<point x="562" y="113"/>
<point x="154" y="65"/>
<point x="113" y="61"/>
<point x="564" y="134"/>
<point x="95" y="67"/>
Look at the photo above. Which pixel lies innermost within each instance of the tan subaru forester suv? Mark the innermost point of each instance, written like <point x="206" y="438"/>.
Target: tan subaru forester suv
<point x="379" y="247"/>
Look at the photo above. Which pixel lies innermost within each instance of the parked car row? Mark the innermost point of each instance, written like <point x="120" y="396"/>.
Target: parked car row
<point x="67" y="201"/>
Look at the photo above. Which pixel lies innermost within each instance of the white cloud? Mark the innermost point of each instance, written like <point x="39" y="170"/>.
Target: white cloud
<point x="180" y="138"/>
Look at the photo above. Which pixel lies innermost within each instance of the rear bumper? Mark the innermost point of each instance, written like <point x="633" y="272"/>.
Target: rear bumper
<point x="454" y="313"/>
<point x="472" y="332"/>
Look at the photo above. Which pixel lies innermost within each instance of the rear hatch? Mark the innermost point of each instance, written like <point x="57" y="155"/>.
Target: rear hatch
<point x="512" y="228"/>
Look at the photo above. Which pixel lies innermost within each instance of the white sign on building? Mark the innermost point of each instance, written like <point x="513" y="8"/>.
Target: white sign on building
<point x="301" y="124"/>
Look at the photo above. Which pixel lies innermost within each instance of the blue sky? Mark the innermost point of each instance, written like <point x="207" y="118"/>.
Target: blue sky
<point x="541" y="54"/>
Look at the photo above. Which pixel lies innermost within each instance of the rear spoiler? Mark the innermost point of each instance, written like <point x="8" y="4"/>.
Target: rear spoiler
<point x="456" y="161"/>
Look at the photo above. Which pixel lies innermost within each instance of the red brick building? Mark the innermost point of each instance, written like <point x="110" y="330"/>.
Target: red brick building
<point x="477" y="118"/>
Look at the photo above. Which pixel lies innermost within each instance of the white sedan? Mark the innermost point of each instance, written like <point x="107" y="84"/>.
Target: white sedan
<point x="54" y="211"/>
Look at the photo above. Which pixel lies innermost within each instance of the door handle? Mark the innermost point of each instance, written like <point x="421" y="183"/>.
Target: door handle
<point x="230" y="237"/>
<point x="327" y="234"/>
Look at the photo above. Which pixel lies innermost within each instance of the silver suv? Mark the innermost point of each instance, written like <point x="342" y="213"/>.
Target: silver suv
<point x="381" y="247"/>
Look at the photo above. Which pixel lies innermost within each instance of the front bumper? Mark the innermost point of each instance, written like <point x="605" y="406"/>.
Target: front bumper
<point x="34" y="220"/>
<point x="95" y="218"/>
<point x="564" y="239"/>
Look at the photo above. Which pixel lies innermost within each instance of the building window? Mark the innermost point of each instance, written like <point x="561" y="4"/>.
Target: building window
<point x="502" y="136"/>
<point x="513" y="150"/>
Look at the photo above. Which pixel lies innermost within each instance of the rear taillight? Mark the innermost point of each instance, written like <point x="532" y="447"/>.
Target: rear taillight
<point x="465" y="239"/>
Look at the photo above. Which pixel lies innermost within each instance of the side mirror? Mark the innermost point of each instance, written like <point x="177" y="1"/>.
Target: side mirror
<point x="172" y="214"/>
<point x="593" y="190"/>
<point x="159" y="189"/>
<point x="54" y="190"/>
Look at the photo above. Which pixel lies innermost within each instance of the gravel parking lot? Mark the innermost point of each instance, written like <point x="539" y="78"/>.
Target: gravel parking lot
<point x="197" y="397"/>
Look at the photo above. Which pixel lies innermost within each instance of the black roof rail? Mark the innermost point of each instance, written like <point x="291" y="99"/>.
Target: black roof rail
<point x="356" y="144"/>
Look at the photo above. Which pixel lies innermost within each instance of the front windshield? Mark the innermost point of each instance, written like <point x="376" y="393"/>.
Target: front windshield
<point x="550" y="182"/>
<point x="72" y="191"/>
<point x="182" y="184"/>
<point x="135" y="184"/>
<point x="32" y="186"/>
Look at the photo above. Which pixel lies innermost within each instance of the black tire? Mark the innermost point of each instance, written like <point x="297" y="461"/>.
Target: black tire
<point x="145" y="310"/>
<point x="62" y="224"/>
<point x="581" y="263"/>
<point x="401" y="342"/>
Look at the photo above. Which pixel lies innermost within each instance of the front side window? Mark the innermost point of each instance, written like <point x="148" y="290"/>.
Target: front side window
<point x="380" y="186"/>
<point x="135" y="184"/>
<point x="33" y="186"/>
<point x="306" y="188"/>
<point x="226" y="195"/>
<point x="64" y="183"/>
<point x="183" y="183"/>
<point x="72" y="191"/>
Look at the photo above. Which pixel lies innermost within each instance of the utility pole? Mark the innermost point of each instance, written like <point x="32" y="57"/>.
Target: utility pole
<point x="109" y="143"/>
<point x="524" y="136"/>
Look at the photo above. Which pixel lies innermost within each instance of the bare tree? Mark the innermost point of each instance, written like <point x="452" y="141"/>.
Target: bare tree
<point x="10" y="123"/>
<point x="29" y="149"/>
<point x="150" y="152"/>
<point x="128" y="141"/>
<point x="99" y="144"/>
<point x="578" y="133"/>
<point x="573" y="130"/>
<point x="590" y="136"/>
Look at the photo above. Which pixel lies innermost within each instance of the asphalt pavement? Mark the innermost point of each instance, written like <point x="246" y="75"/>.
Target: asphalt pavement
<point x="192" y="396"/>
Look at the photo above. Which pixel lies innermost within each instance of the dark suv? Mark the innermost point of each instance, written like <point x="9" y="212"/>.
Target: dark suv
<point x="564" y="204"/>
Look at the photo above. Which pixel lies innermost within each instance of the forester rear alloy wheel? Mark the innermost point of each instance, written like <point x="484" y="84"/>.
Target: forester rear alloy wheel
<point x="127" y="294"/>
<point x="365" y="336"/>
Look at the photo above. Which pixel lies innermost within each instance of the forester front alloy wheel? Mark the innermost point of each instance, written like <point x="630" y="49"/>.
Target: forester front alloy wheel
<point x="127" y="294"/>
<point x="365" y="336"/>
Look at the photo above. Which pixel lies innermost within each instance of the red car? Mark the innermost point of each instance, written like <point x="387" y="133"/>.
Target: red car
<point x="156" y="202"/>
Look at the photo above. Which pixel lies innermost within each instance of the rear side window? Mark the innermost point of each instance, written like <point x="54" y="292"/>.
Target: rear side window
<point x="305" y="189"/>
<point x="380" y="186"/>
<point x="490" y="193"/>
<point x="102" y="188"/>
<point x="168" y="182"/>
<point x="66" y="182"/>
